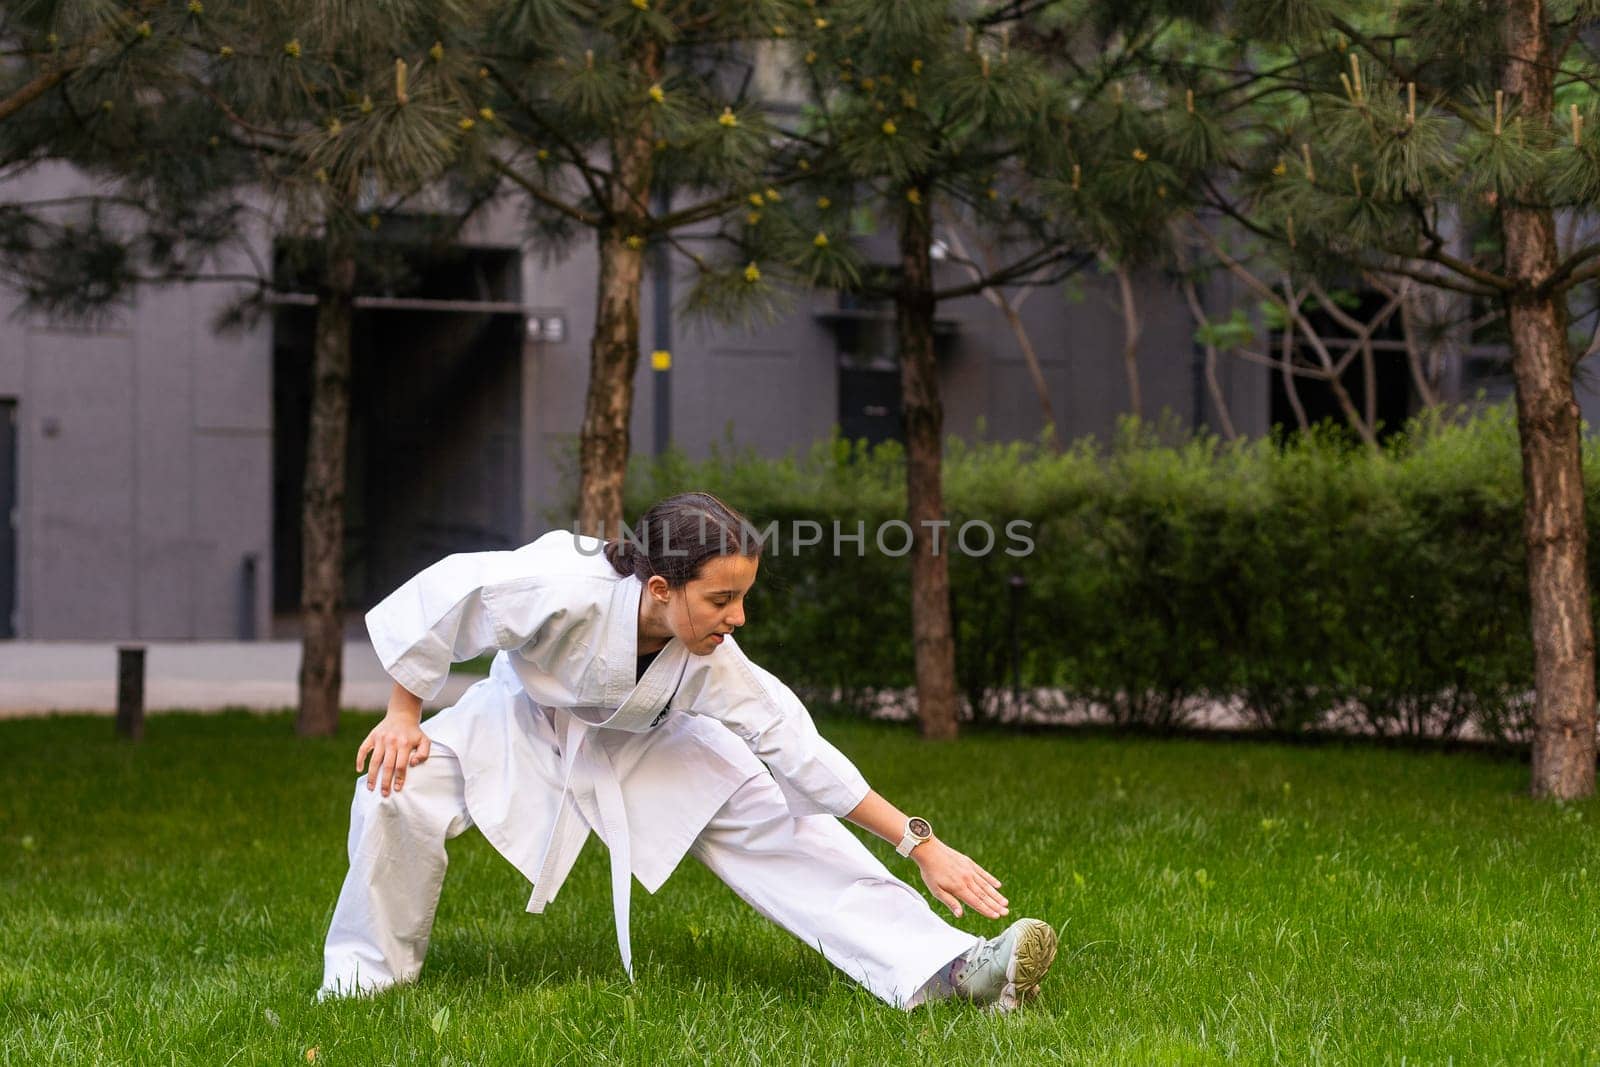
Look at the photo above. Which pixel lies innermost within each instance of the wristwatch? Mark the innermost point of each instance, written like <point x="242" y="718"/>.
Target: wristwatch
<point x="917" y="831"/>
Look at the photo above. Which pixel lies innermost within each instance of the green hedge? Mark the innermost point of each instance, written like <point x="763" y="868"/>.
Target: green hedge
<point x="1309" y="582"/>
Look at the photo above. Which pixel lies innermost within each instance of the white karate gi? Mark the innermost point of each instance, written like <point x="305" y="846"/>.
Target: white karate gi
<point x="709" y="754"/>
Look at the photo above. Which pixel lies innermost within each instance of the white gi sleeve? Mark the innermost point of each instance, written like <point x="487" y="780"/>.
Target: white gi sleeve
<point x="463" y="606"/>
<point x="815" y="777"/>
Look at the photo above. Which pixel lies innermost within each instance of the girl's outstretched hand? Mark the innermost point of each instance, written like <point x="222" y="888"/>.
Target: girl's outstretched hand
<point x="956" y="880"/>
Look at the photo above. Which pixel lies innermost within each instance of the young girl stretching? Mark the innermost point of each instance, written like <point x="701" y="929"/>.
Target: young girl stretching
<point x="619" y="703"/>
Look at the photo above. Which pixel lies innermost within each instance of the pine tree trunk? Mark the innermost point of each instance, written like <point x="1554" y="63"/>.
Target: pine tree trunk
<point x="322" y="501"/>
<point x="608" y="408"/>
<point x="614" y="350"/>
<point x="923" y="416"/>
<point x="1552" y="474"/>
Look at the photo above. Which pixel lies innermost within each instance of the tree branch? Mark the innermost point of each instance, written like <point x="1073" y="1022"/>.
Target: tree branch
<point x="1417" y="274"/>
<point x="1280" y="365"/>
<point x="1020" y="269"/>
<point x="576" y="214"/>
<point x="31" y="90"/>
<point x="1566" y="275"/>
<point x="574" y="151"/>
<point x="710" y="209"/>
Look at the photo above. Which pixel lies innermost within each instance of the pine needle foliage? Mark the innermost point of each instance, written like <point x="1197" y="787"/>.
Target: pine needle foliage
<point x="1342" y="133"/>
<point x="98" y="84"/>
<point x="606" y="106"/>
<point x="358" y="104"/>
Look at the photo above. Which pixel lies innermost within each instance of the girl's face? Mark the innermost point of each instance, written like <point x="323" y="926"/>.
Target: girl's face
<point x="711" y="606"/>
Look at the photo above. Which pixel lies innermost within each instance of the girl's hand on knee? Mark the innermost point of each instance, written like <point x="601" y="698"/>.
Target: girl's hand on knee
<point x="955" y="880"/>
<point x="396" y="744"/>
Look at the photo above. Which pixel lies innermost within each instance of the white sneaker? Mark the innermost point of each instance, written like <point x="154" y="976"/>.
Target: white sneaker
<point x="1006" y="971"/>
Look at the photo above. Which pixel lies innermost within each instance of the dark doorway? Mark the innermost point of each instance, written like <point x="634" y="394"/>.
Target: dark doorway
<point x="9" y="518"/>
<point x="435" y="424"/>
<point x="1391" y="375"/>
<point x="867" y="354"/>
<point x="869" y="403"/>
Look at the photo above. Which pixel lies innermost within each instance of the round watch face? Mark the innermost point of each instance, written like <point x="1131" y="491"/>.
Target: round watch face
<point x="920" y="828"/>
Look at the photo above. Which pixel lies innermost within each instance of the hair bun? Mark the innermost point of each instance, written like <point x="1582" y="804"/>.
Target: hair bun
<point x="623" y="555"/>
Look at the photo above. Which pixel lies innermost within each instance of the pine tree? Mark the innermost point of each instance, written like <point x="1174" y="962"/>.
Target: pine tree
<point x="347" y="110"/>
<point x="928" y="114"/>
<point x="1399" y="130"/>
<point x="607" y="107"/>
<point x="927" y="110"/>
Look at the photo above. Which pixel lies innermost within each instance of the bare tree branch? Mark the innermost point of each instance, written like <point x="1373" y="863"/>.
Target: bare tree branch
<point x="1019" y="330"/>
<point x="1131" y="330"/>
<point x="1335" y="373"/>
<point x="1197" y="311"/>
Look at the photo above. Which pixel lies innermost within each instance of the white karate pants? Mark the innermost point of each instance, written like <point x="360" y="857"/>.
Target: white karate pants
<point x="809" y="875"/>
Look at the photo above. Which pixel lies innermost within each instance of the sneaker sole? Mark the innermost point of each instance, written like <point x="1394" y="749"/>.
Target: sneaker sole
<point x="1035" y="952"/>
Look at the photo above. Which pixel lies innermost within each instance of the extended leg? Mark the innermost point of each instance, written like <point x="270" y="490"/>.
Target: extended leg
<point x="812" y="877"/>
<point x="379" y="934"/>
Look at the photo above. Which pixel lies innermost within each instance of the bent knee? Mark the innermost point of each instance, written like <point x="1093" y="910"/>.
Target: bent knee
<point x="376" y="804"/>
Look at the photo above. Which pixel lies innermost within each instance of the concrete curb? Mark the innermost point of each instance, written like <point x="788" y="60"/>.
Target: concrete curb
<point x="50" y="677"/>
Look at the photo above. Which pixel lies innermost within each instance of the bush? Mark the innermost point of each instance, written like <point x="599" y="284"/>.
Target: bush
<point x="1311" y="582"/>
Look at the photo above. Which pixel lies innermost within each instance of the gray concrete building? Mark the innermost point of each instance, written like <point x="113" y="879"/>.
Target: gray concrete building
<point x="149" y="463"/>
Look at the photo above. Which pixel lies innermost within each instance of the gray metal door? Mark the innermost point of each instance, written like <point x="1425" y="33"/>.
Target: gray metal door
<point x="8" y="518"/>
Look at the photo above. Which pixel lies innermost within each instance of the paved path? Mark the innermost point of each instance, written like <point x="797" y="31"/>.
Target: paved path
<point x="40" y="677"/>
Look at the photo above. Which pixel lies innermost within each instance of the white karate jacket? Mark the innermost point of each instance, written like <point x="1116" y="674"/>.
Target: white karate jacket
<point x="560" y="739"/>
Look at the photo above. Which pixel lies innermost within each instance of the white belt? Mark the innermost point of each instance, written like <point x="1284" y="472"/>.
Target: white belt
<point x="587" y="767"/>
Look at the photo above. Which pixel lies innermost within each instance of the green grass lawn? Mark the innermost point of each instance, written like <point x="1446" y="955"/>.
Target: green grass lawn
<point x="166" y="902"/>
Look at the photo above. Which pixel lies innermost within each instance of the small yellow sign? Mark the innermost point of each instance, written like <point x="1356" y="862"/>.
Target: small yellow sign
<point x="661" y="359"/>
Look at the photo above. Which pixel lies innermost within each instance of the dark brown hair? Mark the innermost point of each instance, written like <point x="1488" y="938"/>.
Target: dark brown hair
<point x="677" y="535"/>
